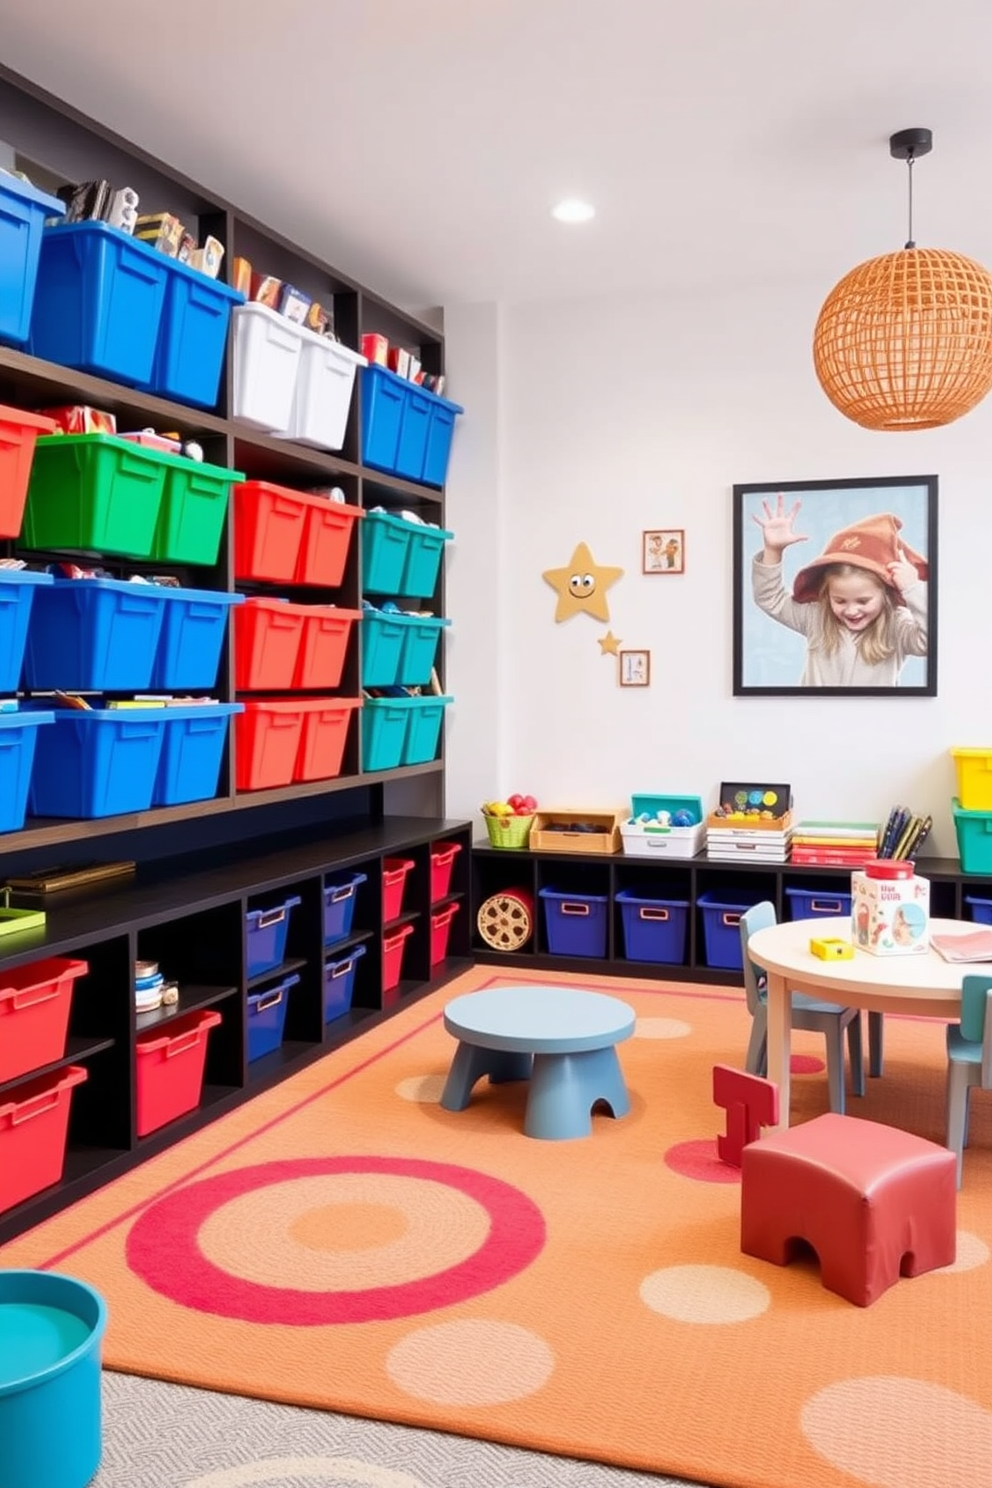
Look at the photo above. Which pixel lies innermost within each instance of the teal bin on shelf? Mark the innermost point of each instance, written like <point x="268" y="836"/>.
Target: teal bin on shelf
<point x="421" y="638"/>
<point x="423" y="735"/>
<point x="423" y="561"/>
<point x="384" y="724"/>
<point x="23" y="209"/>
<point x="385" y="545"/>
<point x="383" y="639"/>
<point x="18" y="739"/>
<point x="974" y="833"/>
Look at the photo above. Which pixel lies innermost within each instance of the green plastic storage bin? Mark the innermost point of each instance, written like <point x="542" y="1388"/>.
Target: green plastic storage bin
<point x="974" y="829"/>
<point x="94" y="492"/>
<point x="193" y="513"/>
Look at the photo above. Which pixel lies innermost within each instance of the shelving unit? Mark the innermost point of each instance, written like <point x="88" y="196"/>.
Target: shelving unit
<point x="495" y="870"/>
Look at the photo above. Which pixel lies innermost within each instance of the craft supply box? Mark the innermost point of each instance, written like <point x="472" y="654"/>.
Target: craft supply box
<point x="890" y="909"/>
<point x="652" y="839"/>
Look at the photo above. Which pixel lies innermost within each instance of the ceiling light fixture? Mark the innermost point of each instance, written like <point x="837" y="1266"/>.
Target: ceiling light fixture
<point x="904" y="341"/>
<point x="573" y="210"/>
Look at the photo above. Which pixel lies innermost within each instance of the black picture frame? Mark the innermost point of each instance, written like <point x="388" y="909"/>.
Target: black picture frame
<point x="817" y="623"/>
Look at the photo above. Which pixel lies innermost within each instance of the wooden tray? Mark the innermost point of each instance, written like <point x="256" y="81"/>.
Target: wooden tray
<point x="606" y="838"/>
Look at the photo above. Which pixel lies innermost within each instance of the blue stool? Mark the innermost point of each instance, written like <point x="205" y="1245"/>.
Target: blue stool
<point x="562" y="1041"/>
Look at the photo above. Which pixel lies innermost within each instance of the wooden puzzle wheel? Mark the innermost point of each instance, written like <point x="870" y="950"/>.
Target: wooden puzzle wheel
<point x="506" y="920"/>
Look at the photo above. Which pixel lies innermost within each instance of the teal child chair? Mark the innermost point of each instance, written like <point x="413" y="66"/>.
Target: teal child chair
<point x="808" y="1013"/>
<point x="969" y="1059"/>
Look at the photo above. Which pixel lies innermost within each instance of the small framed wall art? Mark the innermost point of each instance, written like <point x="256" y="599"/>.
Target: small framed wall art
<point x="635" y="668"/>
<point x="663" y="551"/>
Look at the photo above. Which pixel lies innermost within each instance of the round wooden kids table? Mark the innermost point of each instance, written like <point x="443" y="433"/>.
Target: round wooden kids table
<point x="925" y="985"/>
<point x="561" y="1040"/>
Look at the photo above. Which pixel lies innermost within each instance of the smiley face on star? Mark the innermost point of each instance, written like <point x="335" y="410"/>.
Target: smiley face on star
<point x="581" y="586"/>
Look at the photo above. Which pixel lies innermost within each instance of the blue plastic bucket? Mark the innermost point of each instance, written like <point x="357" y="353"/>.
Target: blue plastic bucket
<point x="51" y="1329"/>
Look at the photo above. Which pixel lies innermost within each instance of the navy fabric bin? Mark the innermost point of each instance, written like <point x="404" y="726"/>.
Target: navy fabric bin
<point x="807" y="904"/>
<point x="653" y="929"/>
<point x="576" y="923"/>
<point x="339" y="984"/>
<point x="267" y="930"/>
<point x="722" y="912"/>
<point x="267" y="1018"/>
<point x="339" y="906"/>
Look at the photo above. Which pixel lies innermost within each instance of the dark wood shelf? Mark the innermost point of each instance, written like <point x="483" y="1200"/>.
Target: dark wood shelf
<point x="271" y="1068"/>
<point x="190" y="999"/>
<point x="338" y="949"/>
<point x="408" y="917"/>
<point x="284" y="969"/>
<point x="76" y="1050"/>
<point x="377" y="481"/>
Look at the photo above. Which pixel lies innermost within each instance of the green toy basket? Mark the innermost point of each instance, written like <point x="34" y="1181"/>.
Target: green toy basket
<point x="509" y="831"/>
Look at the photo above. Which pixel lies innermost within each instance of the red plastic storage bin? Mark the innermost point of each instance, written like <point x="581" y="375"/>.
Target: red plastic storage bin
<point x="393" y="947"/>
<point x="324" y="735"/>
<point x="442" y="863"/>
<point x="170" y="1070"/>
<point x="440" y="929"/>
<point x="323" y="647"/>
<point x="269" y="522"/>
<point x="18" y="432"/>
<point x="267" y="637"/>
<point x="34" y="1124"/>
<point x="267" y="741"/>
<point x="327" y="538"/>
<point x="34" y="1014"/>
<point x="394" y="872"/>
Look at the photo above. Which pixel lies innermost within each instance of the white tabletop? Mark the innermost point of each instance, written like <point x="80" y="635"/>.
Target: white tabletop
<point x="923" y="983"/>
<point x="539" y="1020"/>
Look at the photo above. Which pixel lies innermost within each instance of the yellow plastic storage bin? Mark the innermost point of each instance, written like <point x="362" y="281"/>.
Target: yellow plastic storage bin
<point x="974" y="767"/>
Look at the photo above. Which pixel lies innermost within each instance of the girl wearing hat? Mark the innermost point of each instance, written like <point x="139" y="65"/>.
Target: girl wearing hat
<point x="862" y="605"/>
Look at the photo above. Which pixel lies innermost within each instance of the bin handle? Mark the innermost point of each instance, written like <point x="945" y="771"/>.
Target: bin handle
<point x="273" y="1000"/>
<point x="269" y="917"/>
<point x="36" y="1107"/>
<point x="826" y="906"/>
<point x="34" y="996"/>
<point x="183" y="1043"/>
<point x="653" y="914"/>
<point x="338" y="894"/>
<point x="342" y="968"/>
<point x="731" y="919"/>
<point x="574" y="909"/>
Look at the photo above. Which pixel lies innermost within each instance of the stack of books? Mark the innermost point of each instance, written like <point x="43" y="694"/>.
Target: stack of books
<point x="904" y="833"/>
<point x="835" y="844"/>
<point x="765" y="841"/>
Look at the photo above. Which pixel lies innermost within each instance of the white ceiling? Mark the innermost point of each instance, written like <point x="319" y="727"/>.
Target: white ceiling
<point x="419" y="144"/>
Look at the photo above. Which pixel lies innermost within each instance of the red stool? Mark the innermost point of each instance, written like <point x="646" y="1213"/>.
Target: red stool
<point x="873" y="1202"/>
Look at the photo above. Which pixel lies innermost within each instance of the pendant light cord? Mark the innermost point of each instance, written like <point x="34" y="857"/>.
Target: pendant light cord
<point x="909" y="163"/>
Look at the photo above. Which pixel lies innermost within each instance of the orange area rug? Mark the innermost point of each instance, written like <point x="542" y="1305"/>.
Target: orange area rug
<point x="343" y="1242"/>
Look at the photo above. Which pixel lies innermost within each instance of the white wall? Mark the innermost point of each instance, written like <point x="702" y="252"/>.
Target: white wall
<point x="621" y="415"/>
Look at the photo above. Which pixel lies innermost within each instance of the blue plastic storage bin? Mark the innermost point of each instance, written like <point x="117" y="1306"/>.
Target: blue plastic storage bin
<point x="384" y="726"/>
<point x="18" y="740"/>
<point x="654" y="929"/>
<point x="192" y="639"/>
<point x="383" y="639"/>
<point x="439" y="436"/>
<point x="192" y="339"/>
<point x="807" y="904"/>
<point x="576" y="923"/>
<point x="423" y="734"/>
<point x="266" y="932"/>
<point x="267" y="1018"/>
<point x="339" y="983"/>
<point x="94" y="635"/>
<point x="23" y="210"/>
<point x="18" y="588"/>
<point x="421" y="639"/>
<point x="979" y="910"/>
<point x="383" y="405"/>
<point x="721" y="926"/>
<point x="385" y="545"/>
<point x="192" y="752"/>
<point x="423" y="560"/>
<point x="411" y="451"/>
<point x="98" y="763"/>
<point x="340" y="898"/>
<point x="99" y="301"/>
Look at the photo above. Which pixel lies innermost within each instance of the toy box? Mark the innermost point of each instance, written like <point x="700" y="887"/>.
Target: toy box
<point x="890" y="909"/>
<point x="657" y="827"/>
<point x="576" y="831"/>
<point x="755" y="807"/>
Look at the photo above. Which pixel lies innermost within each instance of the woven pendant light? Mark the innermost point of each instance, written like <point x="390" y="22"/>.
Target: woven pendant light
<point x="905" y="341"/>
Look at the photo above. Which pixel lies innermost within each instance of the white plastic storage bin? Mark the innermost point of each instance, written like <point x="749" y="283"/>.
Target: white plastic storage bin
<point x="325" y="381"/>
<point x="267" y="351"/>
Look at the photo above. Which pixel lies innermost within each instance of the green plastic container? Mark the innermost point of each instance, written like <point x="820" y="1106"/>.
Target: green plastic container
<point x="95" y="493"/>
<point x="193" y="513"/>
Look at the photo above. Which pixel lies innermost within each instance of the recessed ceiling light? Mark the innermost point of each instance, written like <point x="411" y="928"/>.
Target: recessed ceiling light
<point x="573" y="210"/>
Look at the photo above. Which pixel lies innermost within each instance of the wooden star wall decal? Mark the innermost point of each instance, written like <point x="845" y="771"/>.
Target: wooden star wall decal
<point x="609" y="645"/>
<point x="582" y="586"/>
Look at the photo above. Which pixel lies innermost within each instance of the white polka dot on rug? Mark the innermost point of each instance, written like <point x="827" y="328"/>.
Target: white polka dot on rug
<point x="711" y="1295"/>
<point x="424" y="1090"/>
<point x="972" y="1252"/>
<point x="894" y="1432"/>
<point x="274" y="1472"/>
<point x="662" y="1028"/>
<point x="470" y="1362"/>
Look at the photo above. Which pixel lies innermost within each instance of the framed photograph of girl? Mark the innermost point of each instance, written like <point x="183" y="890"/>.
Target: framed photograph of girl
<point x="835" y="587"/>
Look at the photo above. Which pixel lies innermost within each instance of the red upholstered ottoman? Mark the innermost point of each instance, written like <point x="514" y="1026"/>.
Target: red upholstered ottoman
<point x="873" y="1202"/>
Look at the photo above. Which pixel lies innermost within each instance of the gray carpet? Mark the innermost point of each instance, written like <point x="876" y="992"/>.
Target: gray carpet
<point x="169" y="1436"/>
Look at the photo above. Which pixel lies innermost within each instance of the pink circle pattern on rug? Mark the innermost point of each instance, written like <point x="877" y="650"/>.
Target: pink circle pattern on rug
<point x="805" y="1064"/>
<point x="699" y="1160"/>
<point x="163" y="1247"/>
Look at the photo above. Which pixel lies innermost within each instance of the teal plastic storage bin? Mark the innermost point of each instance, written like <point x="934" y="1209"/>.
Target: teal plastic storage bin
<point x="51" y="1332"/>
<point x="383" y="640"/>
<point x="99" y="301"/>
<point x="384" y="725"/>
<point x="193" y="746"/>
<point x="18" y="739"/>
<point x="974" y="832"/>
<point x="17" y="594"/>
<point x="423" y="560"/>
<point x="192" y="639"/>
<point x="23" y="209"/>
<point x="385" y="545"/>
<point x="420" y="642"/>
<point x="99" y="763"/>
<point x="423" y="735"/>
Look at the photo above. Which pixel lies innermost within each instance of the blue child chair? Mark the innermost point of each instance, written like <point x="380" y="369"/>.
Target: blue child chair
<point x="808" y="1013"/>
<point x="969" y="1059"/>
